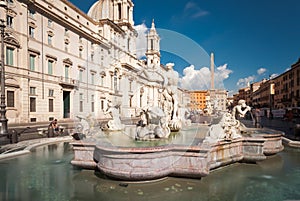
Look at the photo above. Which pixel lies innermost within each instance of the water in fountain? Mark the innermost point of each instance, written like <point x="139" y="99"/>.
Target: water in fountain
<point x="47" y="174"/>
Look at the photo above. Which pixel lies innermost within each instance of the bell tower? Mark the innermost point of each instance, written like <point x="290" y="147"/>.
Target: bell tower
<point x="153" y="47"/>
<point x="123" y="12"/>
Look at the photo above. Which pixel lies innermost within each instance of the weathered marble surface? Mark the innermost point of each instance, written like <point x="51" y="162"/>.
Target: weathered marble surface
<point x="146" y="163"/>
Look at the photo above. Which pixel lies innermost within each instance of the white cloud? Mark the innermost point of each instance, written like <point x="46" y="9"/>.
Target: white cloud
<point x="190" y="5"/>
<point x="141" y="41"/>
<point x="261" y="71"/>
<point x="200" y="13"/>
<point x="192" y="10"/>
<point x="194" y="79"/>
<point x="222" y="72"/>
<point x="274" y="75"/>
<point x="243" y="82"/>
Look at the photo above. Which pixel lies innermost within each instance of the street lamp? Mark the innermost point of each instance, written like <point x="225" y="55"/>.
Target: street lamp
<point x="3" y="119"/>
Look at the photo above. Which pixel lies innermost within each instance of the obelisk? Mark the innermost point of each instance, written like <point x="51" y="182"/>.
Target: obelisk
<point x="212" y="70"/>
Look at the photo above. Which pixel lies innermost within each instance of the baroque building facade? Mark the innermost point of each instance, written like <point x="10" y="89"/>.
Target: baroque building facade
<point x="280" y="92"/>
<point x="61" y="62"/>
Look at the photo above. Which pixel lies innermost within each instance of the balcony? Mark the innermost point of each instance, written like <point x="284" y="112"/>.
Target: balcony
<point x="66" y="82"/>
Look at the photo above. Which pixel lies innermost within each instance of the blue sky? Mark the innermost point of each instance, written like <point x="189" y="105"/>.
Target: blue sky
<point x="251" y="39"/>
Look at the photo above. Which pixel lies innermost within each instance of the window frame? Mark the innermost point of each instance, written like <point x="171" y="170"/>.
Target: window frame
<point x="10" y="98"/>
<point x="10" y="55"/>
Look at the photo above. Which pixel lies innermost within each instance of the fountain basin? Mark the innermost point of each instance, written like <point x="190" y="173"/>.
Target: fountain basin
<point x="152" y="163"/>
<point x="192" y="161"/>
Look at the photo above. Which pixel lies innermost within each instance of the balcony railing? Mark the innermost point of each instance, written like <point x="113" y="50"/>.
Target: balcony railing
<point x="68" y="82"/>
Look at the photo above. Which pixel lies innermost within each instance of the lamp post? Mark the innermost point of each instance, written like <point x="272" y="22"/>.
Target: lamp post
<point x="3" y="119"/>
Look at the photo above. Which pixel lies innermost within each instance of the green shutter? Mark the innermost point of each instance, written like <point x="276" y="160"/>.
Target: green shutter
<point x="50" y="67"/>
<point x="32" y="62"/>
<point x="9" y="56"/>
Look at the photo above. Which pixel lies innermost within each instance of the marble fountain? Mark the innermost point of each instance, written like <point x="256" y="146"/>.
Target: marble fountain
<point x="163" y="144"/>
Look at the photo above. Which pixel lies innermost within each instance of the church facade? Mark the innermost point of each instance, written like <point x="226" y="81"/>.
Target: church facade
<point x="61" y="62"/>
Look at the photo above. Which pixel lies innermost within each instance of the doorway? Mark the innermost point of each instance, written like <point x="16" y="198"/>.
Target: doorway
<point x="66" y="99"/>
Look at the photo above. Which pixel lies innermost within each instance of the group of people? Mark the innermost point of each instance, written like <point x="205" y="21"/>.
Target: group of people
<point x="53" y="128"/>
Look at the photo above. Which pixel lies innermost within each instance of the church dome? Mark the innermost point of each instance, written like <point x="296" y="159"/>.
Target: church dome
<point x="100" y="10"/>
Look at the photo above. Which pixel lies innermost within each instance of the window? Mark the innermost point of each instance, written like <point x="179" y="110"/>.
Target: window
<point x="50" y="22"/>
<point x="80" y="52"/>
<point x="92" y="56"/>
<point x="51" y="93"/>
<point x="102" y="104"/>
<point x="128" y="45"/>
<point x="31" y="13"/>
<point x="80" y="75"/>
<point x="9" y="56"/>
<point x="50" y="67"/>
<point x="51" y="108"/>
<point x="93" y="103"/>
<point x="116" y="80"/>
<point x="120" y="10"/>
<point x="151" y="41"/>
<point x="101" y="80"/>
<point x="32" y="104"/>
<point x="9" y="21"/>
<point x="111" y="81"/>
<point x="32" y="91"/>
<point x="66" y="32"/>
<point x="128" y="13"/>
<point x="130" y="101"/>
<point x="49" y="39"/>
<point x="32" y="62"/>
<point x="81" y="102"/>
<point x="92" y="78"/>
<point x="66" y="46"/>
<point x="10" y="98"/>
<point x="67" y="72"/>
<point x="31" y="31"/>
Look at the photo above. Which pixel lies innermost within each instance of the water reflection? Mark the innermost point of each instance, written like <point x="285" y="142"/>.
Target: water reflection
<point x="47" y="174"/>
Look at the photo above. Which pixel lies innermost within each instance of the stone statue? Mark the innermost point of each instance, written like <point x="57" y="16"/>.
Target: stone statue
<point x="83" y="126"/>
<point x="227" y="129"/>
<point x="169" y="95"/>
<point x="153" y="124"/>
<point x="208" y="109"/>
<point x="240" y="109"/>
<point x="114" y="124"/>
<point x="182" y="114"/>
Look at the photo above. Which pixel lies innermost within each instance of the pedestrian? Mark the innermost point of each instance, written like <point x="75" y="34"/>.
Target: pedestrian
<point x="53" y="128"/>
<point x="257" y="118"/>
<point x="54" y="125"/>
<point x="290" y="115"/>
